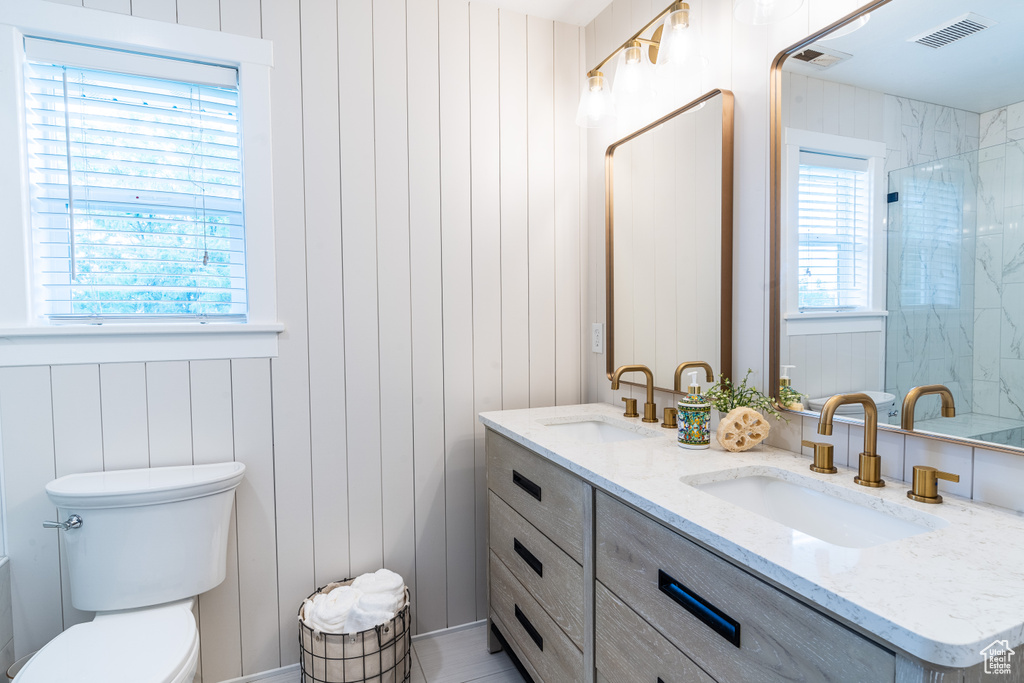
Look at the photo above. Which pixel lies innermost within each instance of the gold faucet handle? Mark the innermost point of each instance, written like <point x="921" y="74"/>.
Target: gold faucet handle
<point x="630" y="407"/>
<point x="925" y="486"/>
<point x="670" y="419"/>
<point x="823" y="457"/>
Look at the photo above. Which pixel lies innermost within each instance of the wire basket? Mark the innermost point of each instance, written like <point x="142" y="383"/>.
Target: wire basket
<point x="381" y="654"/>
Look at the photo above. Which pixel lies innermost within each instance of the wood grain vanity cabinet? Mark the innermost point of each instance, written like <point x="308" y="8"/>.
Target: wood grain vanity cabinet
<point x="535" y="555"/>
<point x="586" y="588"/>
<point x="731" y="624"/>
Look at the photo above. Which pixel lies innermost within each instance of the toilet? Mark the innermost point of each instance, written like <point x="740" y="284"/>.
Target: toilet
<point x="884" y="402"/>
<point x="149" y="542"/>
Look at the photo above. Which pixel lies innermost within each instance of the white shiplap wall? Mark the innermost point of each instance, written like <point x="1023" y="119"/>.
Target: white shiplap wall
<point x="431" y="262"/>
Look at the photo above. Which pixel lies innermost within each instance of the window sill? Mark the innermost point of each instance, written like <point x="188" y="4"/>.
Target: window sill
<point x="834" y="322"/>
<point x="122" y="343"/>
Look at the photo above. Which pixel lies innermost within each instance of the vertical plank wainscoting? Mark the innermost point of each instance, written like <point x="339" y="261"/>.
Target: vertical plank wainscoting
<point x="428" y="205"/>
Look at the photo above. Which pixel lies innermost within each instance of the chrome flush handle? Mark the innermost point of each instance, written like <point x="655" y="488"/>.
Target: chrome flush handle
<point x="73" y="522"/>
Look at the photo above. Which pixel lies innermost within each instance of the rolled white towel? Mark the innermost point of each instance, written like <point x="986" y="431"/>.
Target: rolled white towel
<point x="380" y="581"/>
<point x="361" y="620"/>
<point x="329" y="612"/>
<point x="382" y="602"/>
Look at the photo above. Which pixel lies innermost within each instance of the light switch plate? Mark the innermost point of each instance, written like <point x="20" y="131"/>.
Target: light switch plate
<point x="597" y="337"/>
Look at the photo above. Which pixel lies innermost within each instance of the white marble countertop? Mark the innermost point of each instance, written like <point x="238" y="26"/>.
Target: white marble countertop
<point x="941" y="596"/>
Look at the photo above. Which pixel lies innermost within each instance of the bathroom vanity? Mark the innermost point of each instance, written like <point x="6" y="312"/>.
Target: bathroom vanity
<point x="614" y="555"/>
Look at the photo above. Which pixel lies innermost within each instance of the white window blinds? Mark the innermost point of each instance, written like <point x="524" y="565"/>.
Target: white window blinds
<point x="931" y="230"/>
<point x="833" y="221"/>
<point x="136" y="186"/>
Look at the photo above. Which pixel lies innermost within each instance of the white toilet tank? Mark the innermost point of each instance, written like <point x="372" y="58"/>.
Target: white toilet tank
<point x="148" y="536"/>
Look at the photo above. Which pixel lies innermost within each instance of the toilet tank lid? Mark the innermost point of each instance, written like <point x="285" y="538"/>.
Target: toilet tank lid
<point x="121" y="488"/>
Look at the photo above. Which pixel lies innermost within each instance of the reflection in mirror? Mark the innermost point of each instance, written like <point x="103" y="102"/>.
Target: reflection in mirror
<point x="669" y="240"/>
<point x="900" y="168"/>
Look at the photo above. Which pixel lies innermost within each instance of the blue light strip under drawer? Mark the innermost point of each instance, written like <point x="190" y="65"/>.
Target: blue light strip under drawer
<point x="719" y="622"/>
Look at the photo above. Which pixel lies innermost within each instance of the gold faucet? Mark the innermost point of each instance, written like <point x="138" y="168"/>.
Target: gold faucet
<point x="677" y="384"/>
<point x="649" y="408"/>
<point x="910" y="401"/>
<point x="870" y="471"/>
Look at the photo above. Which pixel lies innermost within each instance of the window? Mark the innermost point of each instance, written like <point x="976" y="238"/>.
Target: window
<point x="136" y="181"/>
<point x="136" y="190"/>
<point x="833" y="232"/>
<point x="833" y="238"/>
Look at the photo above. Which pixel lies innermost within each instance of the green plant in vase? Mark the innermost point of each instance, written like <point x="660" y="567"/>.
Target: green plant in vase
<point x="743" y="408"/>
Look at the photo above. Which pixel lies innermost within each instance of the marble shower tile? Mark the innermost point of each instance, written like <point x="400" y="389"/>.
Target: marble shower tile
<point x="986" y="397"/>
<point x="993" y="127"/>
<point x="1013" y="246"/>
<point x="1015" y="116"/>
<point x="991" y="195"/>
<point x="1011" y="388"/>
<point x="987" y="323"/>
<point x="1012" y="323"/>
<point x="988" y="273"/>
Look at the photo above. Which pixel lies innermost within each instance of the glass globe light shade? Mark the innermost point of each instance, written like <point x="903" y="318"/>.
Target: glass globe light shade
<point x="677" y="41"/>
<point x="759" y="12"/>
<point x="634" y="88"/>
<point x="597" y="105"/>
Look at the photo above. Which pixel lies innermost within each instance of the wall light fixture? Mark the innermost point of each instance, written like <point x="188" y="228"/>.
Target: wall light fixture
<point x="647" y="82"/>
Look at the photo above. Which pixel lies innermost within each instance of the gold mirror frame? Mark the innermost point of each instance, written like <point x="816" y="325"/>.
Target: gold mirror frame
<point x="725" y="331"/>
<point x="775" y="236"/>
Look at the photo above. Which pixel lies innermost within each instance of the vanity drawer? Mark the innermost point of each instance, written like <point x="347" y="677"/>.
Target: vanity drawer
<point x="729" y="622"/>
<point x="627" y="648"/>
<point x="548" y="496"/>
<point x="546" y="647"/>
<point x="551" y="576"/>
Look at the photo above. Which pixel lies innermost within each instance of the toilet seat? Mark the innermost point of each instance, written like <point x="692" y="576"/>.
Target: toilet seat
<point x="149" y="645"/>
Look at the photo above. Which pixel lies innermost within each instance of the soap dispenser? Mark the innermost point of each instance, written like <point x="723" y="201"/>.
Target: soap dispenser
<point x="694" y="418"/>
<point x="788" y="397"/>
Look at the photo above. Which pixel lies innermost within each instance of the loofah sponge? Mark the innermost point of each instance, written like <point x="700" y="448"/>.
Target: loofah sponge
<point x="741" y="429"/>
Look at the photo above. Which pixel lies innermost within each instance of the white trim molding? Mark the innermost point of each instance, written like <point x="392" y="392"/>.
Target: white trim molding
<point x="871" y="319"/>
<point x="29" y="339"/>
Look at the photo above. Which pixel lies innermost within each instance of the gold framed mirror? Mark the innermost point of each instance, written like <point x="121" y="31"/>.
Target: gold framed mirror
<point x="668" y="241"/>
<point x="897" y="167"/>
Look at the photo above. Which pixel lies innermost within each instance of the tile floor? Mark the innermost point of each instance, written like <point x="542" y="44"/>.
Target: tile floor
<point x="460" y="657"/>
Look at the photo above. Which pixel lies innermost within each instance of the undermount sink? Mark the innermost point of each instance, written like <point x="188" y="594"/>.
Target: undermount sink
<point x="816" y="513"/>
<point x="595" y="431"/>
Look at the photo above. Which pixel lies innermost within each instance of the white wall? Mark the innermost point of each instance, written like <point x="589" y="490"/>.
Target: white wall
<point x="430" y="260"/>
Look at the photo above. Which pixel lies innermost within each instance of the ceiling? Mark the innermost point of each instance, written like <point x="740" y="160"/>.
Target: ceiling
<point x="579" y="12"/>
<point x="978" y="73"/>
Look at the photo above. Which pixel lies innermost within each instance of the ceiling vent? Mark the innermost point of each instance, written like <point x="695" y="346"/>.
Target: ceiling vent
<point x="820" y="57"/>
<point x="952" y="31"/>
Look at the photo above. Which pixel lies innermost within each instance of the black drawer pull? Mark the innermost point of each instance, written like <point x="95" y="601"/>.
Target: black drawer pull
<point x="528" y="557"/>
<point x="525" y="484"/>
<point x="719" y="622"/>
<point x="530" y="630"/>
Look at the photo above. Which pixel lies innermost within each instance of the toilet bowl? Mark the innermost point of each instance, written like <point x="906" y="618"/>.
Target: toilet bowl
<point x="148" y="542"/>
<point x="884" y="402"/>
<point x="146" y="645"/>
